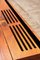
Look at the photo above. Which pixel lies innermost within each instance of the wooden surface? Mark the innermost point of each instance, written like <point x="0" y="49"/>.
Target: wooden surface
<point x="9" y="49"/>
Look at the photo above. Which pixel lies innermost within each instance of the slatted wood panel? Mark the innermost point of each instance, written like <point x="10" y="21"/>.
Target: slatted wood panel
<point x="16" y="37"/>
<point x="21" y="40"/>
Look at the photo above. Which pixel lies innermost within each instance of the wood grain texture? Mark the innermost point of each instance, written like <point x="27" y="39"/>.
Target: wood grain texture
<point x="13" y="39"/>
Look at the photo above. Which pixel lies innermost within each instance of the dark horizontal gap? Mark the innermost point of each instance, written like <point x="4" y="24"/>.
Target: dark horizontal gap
<point x="20" y="38"/>
<point x="5" y="17"/>
<point x="13" y="15"/>
<point x="25" y="26"/>
<point x="24" y="38"/>
<point x="27" y="36"/>
<point x="16" y="38"/>
<point x="10" y="16"/>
